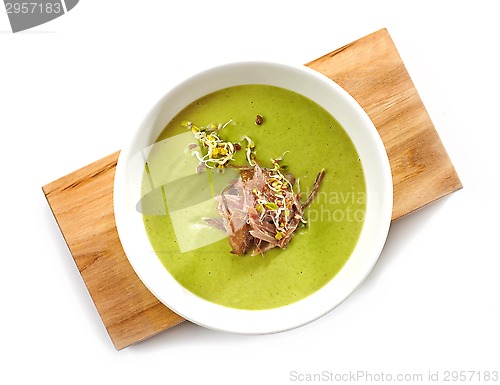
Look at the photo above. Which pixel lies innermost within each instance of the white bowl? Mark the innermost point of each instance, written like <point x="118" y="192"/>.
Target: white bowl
<point x="378" y="181"/>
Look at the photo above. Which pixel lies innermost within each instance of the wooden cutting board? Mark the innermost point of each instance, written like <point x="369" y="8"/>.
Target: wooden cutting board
<point x="370" y="69"/>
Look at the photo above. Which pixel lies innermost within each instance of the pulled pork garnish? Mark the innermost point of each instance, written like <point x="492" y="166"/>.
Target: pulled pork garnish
<point x="260" y="210"/>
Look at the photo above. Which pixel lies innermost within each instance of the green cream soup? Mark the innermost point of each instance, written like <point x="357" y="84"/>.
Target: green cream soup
<point x="177" y="200"/>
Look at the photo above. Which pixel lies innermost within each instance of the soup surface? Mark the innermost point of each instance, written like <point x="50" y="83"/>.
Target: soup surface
<point x="177" y="200"/>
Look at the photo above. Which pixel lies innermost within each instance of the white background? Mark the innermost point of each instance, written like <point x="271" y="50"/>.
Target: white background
<point x="73" y="90"/>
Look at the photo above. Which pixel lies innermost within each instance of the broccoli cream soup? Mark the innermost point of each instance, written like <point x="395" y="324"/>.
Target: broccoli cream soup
<point x="253" y="197"/>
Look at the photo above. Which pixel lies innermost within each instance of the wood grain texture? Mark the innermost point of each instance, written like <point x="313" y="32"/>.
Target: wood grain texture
<point x="370" y="69"/>
<point x="82" y="203"/>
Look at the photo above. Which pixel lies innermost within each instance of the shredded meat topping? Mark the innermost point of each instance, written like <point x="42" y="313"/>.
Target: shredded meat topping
<point x="261" y="211"/>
